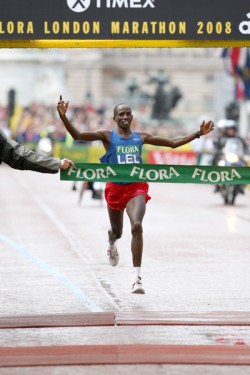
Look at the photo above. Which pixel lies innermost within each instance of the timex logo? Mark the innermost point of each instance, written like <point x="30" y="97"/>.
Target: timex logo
<point x="82" y="5"/>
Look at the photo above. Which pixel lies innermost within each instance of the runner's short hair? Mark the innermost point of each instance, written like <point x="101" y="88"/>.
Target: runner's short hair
<point x="118" y="105"/>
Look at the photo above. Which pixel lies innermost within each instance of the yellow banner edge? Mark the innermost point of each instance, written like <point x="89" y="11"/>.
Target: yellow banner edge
<point x="72" y="43"/>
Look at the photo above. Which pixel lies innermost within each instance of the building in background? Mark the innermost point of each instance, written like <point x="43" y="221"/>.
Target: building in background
<point x="105" y="77"/>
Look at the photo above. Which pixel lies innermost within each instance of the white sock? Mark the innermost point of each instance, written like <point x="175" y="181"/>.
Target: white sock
<point x="136" y="272"/>
<point x="113" y="245"/>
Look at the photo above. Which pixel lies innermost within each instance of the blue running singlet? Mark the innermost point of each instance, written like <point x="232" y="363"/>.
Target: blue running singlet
<point x="123" y="150"/>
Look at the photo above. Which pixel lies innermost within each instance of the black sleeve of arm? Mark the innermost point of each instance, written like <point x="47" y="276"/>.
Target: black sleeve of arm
<point x="19" y="157"/>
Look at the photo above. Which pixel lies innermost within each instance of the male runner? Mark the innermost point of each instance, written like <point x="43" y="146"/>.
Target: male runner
<point x="124" y="146"/>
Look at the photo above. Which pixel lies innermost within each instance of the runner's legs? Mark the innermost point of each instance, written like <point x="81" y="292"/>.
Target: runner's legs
<point x="116" y="222"/>
<point x="136" y="209"/>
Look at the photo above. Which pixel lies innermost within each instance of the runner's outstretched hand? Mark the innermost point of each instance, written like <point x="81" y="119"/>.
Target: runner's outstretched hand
<point x="62" y="107"/>
<point x="206" y="127"/>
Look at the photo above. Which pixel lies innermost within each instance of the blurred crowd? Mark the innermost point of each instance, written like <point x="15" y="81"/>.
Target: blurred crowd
<point x="36" y="121"/>
<point x="31" y="123"/>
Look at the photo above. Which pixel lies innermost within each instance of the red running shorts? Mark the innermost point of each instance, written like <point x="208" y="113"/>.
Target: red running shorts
<point x="117" y="196"/>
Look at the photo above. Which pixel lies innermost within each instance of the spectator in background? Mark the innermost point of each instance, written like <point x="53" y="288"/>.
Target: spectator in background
<point x="227" y="129"/>
<point x="36" y="118"/>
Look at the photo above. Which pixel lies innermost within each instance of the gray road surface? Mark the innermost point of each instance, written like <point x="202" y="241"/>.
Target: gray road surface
<point x="53" y="260"/>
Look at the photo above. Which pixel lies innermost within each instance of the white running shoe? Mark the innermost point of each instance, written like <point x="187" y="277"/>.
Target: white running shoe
<point x="113" y="254"/>
<point x="137" y="286"/>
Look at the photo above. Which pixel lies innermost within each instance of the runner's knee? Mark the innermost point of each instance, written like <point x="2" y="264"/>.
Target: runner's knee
<point x="136" y="228"/>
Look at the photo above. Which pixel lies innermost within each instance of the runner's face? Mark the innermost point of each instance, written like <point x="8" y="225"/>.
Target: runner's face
<point x="123" y="117"/>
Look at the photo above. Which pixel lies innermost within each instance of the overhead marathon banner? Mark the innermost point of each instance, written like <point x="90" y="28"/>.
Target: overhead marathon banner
<point x="124" y="23"/>
<point x="197" y="174"/>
